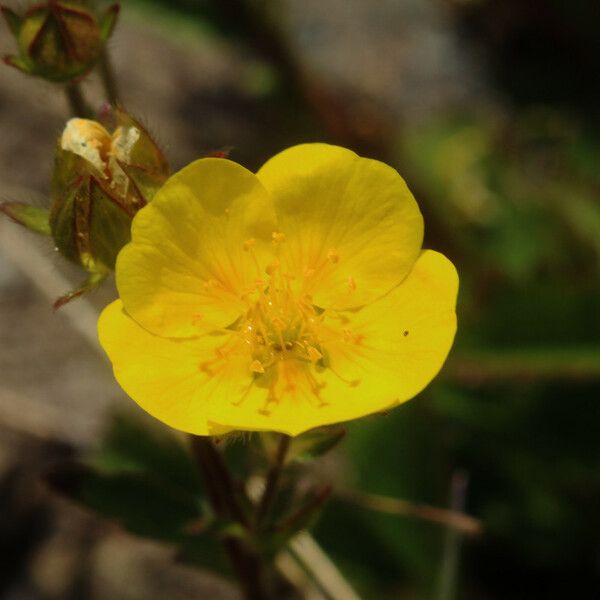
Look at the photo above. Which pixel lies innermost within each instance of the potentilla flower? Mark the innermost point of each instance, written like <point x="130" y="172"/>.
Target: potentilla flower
<point x="293" y="298"/>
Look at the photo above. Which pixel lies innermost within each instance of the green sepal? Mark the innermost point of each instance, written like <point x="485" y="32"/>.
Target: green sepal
<point x="108" y="21"/>
<point x="68" y="192"/>
<point x="315" y="443"/>
<point x="89" y="223"/>
<point x="34" y="218"/>
<point x="92" y="282"/>
<point x="62" y="223"/>
<point x="17" y="63"/>
<point x="147" y="168"/>
<point x="309" y="446"/>
<point x="109" y="224"/>
<point x="13" y="20"/>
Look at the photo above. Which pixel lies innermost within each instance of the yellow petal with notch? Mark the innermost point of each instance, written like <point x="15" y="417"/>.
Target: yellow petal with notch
<point x="188" y="266"/>
<point x="352" y="228"/>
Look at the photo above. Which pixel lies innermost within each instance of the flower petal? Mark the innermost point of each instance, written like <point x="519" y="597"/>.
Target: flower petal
<point x="353" y="229"/>
<point x="186" y="270"/>
<point x="386" y="354"/>
<point x="162" y="375"/>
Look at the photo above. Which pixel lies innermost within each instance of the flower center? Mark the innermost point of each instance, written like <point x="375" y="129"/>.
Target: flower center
<point x="280" y="324"/>
<point x="283" y="335"/>
<point x="282" y="327"/>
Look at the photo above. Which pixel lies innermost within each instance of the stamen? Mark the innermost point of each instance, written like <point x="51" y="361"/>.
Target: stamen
<point x="241" y="399"/>
<point x="264" y="410"/>
<point x="290" y="383"/>
<point x="272" y="267"/>
<point x="257" y="367"/>
<point x="278" y="237"/>
<point x="315" y="388"/>
<point x="333" y="256"/>
<point x="350" y="382"/>
<point x="314" y="354"/>
<point x="248" y="244"/>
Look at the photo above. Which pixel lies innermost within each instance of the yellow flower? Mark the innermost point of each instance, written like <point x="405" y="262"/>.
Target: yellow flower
<point x="293" y="298"/>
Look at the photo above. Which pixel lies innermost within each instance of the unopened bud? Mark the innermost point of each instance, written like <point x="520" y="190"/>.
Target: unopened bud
<point x="57" y="40"/>
<point x="102" y="177"/>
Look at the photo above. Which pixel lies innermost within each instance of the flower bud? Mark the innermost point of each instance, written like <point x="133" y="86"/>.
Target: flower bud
<point x="100" y="181"/>
<point x="57" y="40"/>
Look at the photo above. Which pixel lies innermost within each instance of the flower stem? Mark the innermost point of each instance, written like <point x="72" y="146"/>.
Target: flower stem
<point x="273" y="477"/>
<point x="246" y="562"/>
<point x="77" y="103"/>
<point x="109" y="79"/>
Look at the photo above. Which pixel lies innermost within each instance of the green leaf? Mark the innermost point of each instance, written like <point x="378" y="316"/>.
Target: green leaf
<point x="140" y="502"/>
<point x="135" y="444"/>
<point x="36" y="219"/>
<point x="143" y="477"/>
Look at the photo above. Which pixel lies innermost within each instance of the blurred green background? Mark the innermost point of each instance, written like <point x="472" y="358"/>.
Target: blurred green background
<point x="500" y="142"/>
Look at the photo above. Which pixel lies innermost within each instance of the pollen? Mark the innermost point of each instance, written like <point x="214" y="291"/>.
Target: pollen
<point x="257" y="367"/>
<point x="249" y="244"/>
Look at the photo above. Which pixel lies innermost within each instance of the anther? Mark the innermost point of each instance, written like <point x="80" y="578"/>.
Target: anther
<point x="257" y="367"/>
<point x="333" y="256"/>
<point x="271" y="268"/>
<point x="314" y="354"/>
<point x="278" y="237"/>
<point x="249" y="244"/>
<point x="351" y="284"/>
<point x="205" y="368"/>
